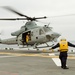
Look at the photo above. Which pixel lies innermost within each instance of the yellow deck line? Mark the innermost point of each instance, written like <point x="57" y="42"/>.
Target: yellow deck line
<point x="39" y="55"/>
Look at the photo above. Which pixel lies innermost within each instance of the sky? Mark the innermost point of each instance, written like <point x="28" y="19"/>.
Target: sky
<point x="60" y="14"/>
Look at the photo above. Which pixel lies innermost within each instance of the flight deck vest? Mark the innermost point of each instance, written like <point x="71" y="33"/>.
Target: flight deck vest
<point x="27" y="38"/>
<point x="63" y="46"/>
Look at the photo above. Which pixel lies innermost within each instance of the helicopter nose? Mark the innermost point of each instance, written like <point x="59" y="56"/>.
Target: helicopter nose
<point x="52" y="36"/>
<point x="55" y="35"/>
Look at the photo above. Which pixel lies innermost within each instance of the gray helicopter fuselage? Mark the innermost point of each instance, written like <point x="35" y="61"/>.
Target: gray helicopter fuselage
<point x="38" y="35"/>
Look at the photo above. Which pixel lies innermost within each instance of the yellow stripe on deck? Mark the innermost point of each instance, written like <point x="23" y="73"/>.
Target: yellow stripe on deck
<point x="38" y="55"/>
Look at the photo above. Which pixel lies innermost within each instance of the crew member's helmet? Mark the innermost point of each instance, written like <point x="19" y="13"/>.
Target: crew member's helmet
<point x="27" y="33"/>
<point x="62" y="39"/>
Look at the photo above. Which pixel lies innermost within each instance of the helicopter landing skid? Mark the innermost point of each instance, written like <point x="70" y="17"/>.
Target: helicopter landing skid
<point x="36" y="47"/>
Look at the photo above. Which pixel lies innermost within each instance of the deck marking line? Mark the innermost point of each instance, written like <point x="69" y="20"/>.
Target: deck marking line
<point x="57" y="61"/>
<point x="6" y="56"/>
<point x="51" y="54"/>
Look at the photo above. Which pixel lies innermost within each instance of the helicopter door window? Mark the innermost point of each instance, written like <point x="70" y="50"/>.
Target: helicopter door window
<point x="41" y="32"/>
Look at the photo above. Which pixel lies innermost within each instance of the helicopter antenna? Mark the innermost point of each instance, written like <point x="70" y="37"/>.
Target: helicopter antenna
<point x="48" y="24"/>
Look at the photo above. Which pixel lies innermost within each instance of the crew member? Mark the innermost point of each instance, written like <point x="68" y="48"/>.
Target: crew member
<point x="63" y="49"/>
<point x="27" y="38"/>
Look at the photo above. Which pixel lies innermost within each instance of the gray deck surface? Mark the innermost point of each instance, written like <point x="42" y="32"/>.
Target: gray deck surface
<point x="33" y="64"/>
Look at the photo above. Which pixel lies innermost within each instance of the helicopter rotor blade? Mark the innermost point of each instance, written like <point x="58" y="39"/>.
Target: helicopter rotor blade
<point x="32" y="19"/>
<point x="61" y="15"/>
<point x="20" y="14"/>
<point x="13" y="19"/>
<point x="14" y="11"/>
<point x="40" y="17"/>
<point x="35" y="19"/>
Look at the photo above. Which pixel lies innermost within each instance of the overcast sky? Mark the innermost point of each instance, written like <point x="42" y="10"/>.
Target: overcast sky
<point x="65" y="25"/>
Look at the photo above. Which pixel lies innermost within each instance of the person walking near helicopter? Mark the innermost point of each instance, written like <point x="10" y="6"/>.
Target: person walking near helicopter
<point x="63" y="49"/>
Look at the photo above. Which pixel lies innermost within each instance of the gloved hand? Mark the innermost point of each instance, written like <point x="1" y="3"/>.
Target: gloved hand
<point x="51" y="49"/>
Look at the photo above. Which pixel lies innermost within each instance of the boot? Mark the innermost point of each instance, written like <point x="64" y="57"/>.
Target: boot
<point x="65" y="67"/>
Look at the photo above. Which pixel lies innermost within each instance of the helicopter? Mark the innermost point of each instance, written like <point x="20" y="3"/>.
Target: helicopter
<point x="36" y="34"/>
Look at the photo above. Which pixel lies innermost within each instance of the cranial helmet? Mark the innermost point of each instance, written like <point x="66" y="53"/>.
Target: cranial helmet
<point x="62" y="39"/>
<point x="27" y="33"/>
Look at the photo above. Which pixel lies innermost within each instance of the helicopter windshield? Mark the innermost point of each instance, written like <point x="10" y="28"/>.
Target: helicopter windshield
<point x="46" y="28"/>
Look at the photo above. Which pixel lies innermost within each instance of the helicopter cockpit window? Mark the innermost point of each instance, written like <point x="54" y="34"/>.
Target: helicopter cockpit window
<point x="41" y="31"/>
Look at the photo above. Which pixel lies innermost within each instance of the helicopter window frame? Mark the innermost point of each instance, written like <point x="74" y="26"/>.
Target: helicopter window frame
<point x="46" y="29"/>
<point x="41" y="31"/>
